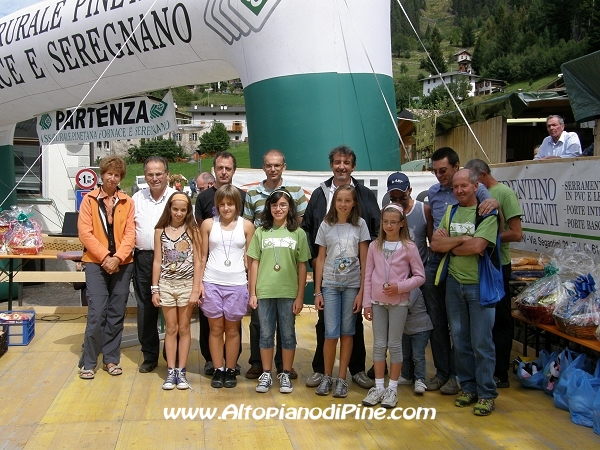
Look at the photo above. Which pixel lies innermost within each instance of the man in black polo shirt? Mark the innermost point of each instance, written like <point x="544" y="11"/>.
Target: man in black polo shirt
<point x="224" y="166"/>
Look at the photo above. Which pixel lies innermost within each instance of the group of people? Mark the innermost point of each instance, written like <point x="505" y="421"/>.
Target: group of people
<point x="249" y="250"/>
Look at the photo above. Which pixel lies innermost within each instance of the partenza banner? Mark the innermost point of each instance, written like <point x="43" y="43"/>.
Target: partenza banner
<point x="560" y="200"/>
<point x="128" y="118"/>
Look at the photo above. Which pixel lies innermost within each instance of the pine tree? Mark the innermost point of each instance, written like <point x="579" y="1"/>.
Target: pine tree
<point x="436" y="54"/>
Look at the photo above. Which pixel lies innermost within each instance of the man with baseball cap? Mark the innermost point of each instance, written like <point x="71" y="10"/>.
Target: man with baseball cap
<point x="418" y="214"/>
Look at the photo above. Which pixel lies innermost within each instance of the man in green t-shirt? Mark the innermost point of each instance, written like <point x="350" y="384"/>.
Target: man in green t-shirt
<point x="470" y="323"/>
<point x="512" y="232"/>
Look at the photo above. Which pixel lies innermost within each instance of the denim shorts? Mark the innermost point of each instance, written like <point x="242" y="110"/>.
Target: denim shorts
<point x="230" y="302"/>
<point x="175" y="292"/>
<point x="339" y="318"/>
<point x="272" y="311"/>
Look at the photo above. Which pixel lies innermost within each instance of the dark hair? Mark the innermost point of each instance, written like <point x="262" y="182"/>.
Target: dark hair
<point x="159" y="159"/>
<point x="229" y="191"/>
<point x="189" y="222"/>
<point x="331" y="218"/>
<point x="224" y="155"/>
<point x="477" y="166"/>
<point x="266" y="217"/>
<point x="446" y="152"/>
<point x="342" y="150"/>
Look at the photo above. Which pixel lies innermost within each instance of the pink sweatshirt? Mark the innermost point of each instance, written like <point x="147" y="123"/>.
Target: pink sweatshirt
<point x="405" y="261"/>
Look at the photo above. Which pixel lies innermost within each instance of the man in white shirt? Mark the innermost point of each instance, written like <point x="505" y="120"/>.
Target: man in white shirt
<point x="559" y="143"/>
<point x="149" y="205"/>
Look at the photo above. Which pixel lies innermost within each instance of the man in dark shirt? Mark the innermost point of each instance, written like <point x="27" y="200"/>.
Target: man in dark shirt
<point x="342" y="161"/>
<point x="224" y="166"/>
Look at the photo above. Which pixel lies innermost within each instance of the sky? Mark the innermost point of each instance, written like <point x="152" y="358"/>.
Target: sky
<point x="10" y="6"/>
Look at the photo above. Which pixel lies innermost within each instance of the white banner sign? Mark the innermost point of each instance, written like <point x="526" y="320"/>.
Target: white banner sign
<point x="128" y="118"/>
<point x="560" y="201"/>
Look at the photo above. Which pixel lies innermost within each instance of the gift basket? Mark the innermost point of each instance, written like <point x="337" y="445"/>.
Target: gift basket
<point x="537" y="301"/>
<point x="24" y="235"/>
<point x="6" y="218"/>
<point x="578" y="315"/>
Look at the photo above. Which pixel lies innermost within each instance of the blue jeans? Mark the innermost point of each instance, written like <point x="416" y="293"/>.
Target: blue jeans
<point x="435" y="301"/>
<point x="273" y="312"/>
<point x="471" y="326"/>
<point x="414" y="365"/>
<point x="339" y="318"/>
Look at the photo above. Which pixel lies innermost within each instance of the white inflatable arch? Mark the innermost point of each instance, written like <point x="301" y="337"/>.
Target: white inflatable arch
<point x="316" y="73"/>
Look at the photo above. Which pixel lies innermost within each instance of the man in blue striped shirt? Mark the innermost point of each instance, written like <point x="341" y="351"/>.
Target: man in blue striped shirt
<point x="273" y="165"/>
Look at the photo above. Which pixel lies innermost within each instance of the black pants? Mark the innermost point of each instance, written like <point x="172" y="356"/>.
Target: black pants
<point x="359" y="354"/>
<point x="503" y="331"/>
<point x="147" y="314"/>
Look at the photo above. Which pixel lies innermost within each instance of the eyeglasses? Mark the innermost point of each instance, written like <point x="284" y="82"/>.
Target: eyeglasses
<point x="441" y="171"/>
<point x="279" y="205"/>
<point x="391" y="223"/>
<point x="155" y="175"/>
<point x="273" y="166"/>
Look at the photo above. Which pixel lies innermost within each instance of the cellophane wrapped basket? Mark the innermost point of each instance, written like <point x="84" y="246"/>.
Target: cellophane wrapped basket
<point x="537" y="301"/>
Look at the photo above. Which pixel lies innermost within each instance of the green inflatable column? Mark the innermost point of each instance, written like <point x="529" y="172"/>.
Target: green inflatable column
<point x="307" y="115"/>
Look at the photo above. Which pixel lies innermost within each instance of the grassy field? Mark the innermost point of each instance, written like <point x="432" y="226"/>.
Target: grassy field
<point x="187" y="169"/>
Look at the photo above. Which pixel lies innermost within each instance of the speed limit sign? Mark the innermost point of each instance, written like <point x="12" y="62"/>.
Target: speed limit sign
<point x="86" y="179"/>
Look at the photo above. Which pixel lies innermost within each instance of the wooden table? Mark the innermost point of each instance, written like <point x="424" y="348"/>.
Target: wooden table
<point x="15" y="274"/>
<point x="593" y="344"/>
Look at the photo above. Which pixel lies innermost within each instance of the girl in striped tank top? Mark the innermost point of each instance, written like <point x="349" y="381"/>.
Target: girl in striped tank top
<point x="175" y="283"/>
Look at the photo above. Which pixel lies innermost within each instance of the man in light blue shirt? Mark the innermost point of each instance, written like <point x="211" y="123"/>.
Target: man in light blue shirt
<point x="559" y="143"/>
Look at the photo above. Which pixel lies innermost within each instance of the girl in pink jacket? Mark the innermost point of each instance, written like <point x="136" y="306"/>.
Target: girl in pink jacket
<point x="393" y="269"/>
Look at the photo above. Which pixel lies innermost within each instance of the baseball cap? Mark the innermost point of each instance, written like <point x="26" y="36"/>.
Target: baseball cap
<point x="398" y="181"/>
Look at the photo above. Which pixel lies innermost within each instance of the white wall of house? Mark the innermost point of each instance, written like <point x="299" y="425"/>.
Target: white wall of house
<point x="434" y="81"/>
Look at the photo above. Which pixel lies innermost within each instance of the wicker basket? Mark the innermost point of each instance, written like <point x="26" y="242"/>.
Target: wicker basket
<point x="581" y="332"/>
<point x="537" y="314"/>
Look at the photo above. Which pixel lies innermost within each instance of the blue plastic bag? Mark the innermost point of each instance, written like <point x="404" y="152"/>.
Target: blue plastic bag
<point x="596" y="411"/>
<point x="582" y="390"/>
<point x="535" y="380"/>
<point x="561" y="397"/>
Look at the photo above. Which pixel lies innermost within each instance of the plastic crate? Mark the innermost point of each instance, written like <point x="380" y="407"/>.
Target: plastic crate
<point x="20" y="332"/>
<point x="3" y="339"/>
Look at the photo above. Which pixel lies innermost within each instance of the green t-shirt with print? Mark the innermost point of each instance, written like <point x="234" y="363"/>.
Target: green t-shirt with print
<point x="510" y="208"/>
<point x="465" y="269"/>
<point x="284" y="248"/>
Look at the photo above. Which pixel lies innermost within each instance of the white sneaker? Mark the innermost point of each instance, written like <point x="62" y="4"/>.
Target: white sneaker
<point x="390" y="398"/>
<point x="420" y="387"/>
<point x="285" y="385"/>
<point x="264" y="382"/>
<point x="405" y="381"/>
<point x="374" y="396"/>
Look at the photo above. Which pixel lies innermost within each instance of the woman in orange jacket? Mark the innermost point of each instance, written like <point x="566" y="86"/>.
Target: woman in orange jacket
<point x="107" y="232"/>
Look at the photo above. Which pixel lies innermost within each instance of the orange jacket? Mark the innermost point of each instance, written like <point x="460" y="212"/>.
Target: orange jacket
<point x="92" y="233"/>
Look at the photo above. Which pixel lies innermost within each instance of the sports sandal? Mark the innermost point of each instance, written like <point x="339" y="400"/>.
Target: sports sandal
<point x="113" y="369"/>
<point x="86" y="374"/>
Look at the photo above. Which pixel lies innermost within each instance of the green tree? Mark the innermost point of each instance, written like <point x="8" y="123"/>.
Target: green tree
<point x="468" y="33"/>
<point x="167" y="148"/>
<point x="216" y="140"/>
<point x="406" y="89"/>
<point x="403" y="67"/>
<point x="436" y="54"/>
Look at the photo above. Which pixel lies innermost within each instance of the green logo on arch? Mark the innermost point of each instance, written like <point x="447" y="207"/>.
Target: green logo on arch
<point x="45" y="122"/>
<point x="255" y="6"/>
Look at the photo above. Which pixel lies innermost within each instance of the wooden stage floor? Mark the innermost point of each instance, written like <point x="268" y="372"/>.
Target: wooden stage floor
<point x="45" y="405"/>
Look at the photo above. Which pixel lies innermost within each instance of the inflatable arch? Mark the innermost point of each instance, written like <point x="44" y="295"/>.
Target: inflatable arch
<point x="316" y="73"/>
